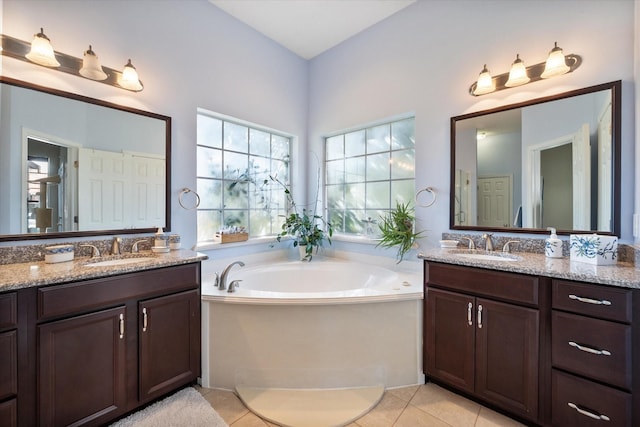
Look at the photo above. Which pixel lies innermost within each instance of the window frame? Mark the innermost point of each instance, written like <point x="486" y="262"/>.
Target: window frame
<point x="222" y="179"/>
<point x="339" y="232"/>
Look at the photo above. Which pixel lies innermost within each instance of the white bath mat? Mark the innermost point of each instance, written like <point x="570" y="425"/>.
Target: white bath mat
<point x="185" y="408"/>
<point x="310" y="407"/>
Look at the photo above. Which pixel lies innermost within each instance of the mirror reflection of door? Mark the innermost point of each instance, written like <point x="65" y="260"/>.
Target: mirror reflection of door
<point x="561" y="171"/>
<point x="494" y="201"/>
<point x="556" y="174"/>
<point x="50" y="176"/>
<point x="605" y="172"/>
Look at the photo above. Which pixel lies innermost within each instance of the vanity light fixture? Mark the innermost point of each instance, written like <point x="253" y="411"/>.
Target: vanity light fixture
<point x="556" y="64"/>
<point x="91" y="67"/>
<point x="129" y="79"/>
<point x="518" y="73"/>
<point x="41" y="52"/>
<point x="485" y="82"/>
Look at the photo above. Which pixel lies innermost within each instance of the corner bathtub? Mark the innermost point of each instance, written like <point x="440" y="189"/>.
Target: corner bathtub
<point x="318" y="324"/>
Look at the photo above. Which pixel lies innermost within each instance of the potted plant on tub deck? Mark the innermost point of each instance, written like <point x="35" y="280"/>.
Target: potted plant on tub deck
<point x="307" y="229"/>
<point x="397" y="229"/>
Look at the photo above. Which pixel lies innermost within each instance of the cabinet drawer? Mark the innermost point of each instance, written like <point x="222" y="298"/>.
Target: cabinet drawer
<point x="593" y="300"/>
<point x="594" y="348"/>
<point x="94" y="294"/>
<point x="9" y="413"/>
<point x="494" y="284"/>
<point x="8" y="311"/>
<point x="9" y="365"/>
<point x="581" y="403"/>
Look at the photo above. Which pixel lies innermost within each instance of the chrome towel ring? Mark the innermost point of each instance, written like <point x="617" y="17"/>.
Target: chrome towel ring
<point x="429" y="190"/>
<point x="185" y="191"/>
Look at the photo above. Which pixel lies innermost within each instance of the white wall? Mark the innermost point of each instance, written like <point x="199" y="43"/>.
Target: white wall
<point x="189" y="54"/>
<point x="424" y="58"/>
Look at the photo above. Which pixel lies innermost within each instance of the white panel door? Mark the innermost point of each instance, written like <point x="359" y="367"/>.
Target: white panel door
<point x="104" y="189"/>
<point x="581" y="153"/>
<point x="148" y="192"/>
<point x="494" y="201"/>
<point x="605" y="171"/>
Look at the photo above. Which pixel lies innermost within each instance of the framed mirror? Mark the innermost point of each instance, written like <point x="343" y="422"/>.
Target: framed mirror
<point x="548" y="162"/>
<point x="78" y="166"/>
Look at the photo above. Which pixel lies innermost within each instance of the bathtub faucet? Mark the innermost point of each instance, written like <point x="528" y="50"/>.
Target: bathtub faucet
<point x="222" y="281"/>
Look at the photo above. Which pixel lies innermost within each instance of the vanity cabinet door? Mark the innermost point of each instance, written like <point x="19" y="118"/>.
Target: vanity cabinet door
<point x="81" y="367"/>
<point x="169" y="344"/>
<point x="450" y="338"/>
<point x="507" y="338"/>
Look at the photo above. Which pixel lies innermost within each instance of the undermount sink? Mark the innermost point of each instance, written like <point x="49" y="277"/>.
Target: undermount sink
<point x="488" y="257"/>
<point x="116" y="262"/>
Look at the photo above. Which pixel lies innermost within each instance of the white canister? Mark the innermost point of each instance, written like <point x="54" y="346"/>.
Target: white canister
<point x="174" y="241"/>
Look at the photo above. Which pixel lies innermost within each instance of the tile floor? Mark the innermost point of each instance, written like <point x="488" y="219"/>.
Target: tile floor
<point x="416" y="406"/>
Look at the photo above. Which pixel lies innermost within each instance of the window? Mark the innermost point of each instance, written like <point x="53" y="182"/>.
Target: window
<point x="234" y="160"/>
<point x="367" y="172"/>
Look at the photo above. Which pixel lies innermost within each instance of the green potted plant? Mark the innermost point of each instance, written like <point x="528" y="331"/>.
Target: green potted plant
<point x="308" y="229"/>
<point x="397" y="229"/>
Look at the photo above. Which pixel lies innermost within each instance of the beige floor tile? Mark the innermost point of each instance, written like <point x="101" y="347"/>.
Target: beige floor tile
<point x="445" y="405"/>
<point x="251" y="420"/>
<point x="404" y="393"/>
<point x="202" y="390"/>
<point x="227" y="404"/>
<point x="414" y="417"/>
<point x="384" y="414"/>
<point x="489" y="418"/>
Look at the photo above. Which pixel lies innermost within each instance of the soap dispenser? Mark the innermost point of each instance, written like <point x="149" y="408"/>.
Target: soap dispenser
<point x="553" y="245"/>
<point x="161" y="239"/>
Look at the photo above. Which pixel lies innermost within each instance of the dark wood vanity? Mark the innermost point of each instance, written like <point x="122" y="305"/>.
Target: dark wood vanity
<point x="548" y="352"/>
<point x="87" y="352"/>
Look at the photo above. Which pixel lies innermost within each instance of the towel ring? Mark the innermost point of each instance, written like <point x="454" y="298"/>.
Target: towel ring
<point x="433" y="193"/>
<point x="185" y="191"/>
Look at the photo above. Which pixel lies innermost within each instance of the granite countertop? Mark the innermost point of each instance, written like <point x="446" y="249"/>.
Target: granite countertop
<point x="623" y="274"/>
<point x="38" y="273"/>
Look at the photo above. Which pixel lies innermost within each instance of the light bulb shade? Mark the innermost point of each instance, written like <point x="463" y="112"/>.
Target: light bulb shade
<point x="91" y="68"/>
<point x="485" y="83"/>
<point x="518" y="73"/>
<point x="129" y="79"/>
<point x="41" y="51"/>
<point x="556" y="64"/>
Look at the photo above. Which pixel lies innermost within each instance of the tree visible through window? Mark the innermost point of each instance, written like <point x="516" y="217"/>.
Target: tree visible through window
<point x="234" y="161"/>
<point x="367" y="172"/>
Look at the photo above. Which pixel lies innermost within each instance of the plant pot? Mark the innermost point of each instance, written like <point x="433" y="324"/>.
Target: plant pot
<point x="302" y="250"/>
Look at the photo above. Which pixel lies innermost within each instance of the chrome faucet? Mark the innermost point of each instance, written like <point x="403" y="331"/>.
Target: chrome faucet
<point x="471" y="244"/>
<point x="488" y="243"/>
<point x="222" y="280"/>
<point x="233" y="285"/>
<point x="115" y="246"/>
<point x="95" y="252"/>
<point x="134" y="247"/>
<point x="506" y="249"/>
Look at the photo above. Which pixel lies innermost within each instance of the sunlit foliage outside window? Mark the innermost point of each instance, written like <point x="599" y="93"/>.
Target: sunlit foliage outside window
<point x="234" y="160"/>
<point x="367" y="172"/>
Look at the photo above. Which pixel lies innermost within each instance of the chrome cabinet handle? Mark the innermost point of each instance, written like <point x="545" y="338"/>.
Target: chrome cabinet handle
<point x="588" y="413"/>
<point x="480" y="316"/>
<point x="590" y="300"/>
<point x="144" y="320"/>
<point x="589" y="349"/>
<point x="469" y="308"/>
<point x="121" y="326"/>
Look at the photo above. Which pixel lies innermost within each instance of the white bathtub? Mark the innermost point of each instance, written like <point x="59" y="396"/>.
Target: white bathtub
<point x="320" y="324"/>
<point x="316" y="282"/>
